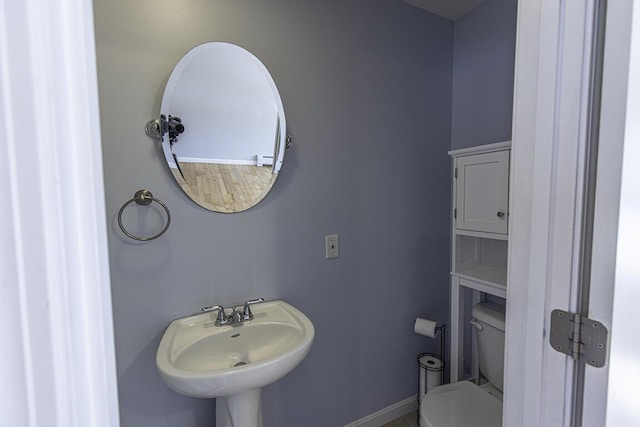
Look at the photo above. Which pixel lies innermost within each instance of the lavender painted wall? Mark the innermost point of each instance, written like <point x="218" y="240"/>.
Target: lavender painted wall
<point x="367" y="90"/>
<point x="483" y="63"/>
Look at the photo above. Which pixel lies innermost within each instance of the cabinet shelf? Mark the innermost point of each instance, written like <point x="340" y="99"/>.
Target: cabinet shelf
<point x="473" y="233"/>
<point x="484" y="280"/>
<point x="479" y="258"/>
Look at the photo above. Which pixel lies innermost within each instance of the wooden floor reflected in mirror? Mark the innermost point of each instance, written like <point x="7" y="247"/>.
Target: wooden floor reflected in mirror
<point x="225" y="188"/>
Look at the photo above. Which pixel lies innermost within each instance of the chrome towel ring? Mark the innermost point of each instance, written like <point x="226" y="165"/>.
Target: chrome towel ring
<point x="144" y="198"/>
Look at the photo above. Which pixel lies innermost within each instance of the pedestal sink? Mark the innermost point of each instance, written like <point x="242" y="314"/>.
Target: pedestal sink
<point x="233" y="363"/>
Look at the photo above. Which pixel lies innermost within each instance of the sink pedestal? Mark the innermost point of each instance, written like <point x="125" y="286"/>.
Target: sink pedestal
<point x="239" y="410"/>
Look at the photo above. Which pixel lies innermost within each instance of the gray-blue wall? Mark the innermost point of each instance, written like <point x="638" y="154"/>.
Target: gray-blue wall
<point x="366" y="86"/>
<point x="483" y="62"/>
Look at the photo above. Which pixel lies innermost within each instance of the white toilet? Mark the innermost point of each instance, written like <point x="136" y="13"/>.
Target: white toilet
<point x="465" y="404"/>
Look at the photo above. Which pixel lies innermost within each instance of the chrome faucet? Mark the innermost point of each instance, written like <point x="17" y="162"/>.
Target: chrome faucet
<point x="236" y="316"/>
<point x="221" y="319"/>
<point x="246" y="311"/>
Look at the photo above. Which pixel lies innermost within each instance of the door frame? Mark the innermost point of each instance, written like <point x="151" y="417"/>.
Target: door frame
<point x="55" y="295"/>
<point x="546" y="196"/>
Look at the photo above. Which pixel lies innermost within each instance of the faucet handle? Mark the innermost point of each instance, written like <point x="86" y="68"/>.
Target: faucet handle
<point x="221" y="319"/>
<point x="246" y="312"/>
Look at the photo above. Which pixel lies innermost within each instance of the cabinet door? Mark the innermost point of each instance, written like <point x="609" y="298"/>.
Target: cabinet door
<point x="482" y="192"/>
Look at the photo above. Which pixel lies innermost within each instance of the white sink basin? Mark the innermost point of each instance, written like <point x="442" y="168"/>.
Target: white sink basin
<point x="199" y="359"/>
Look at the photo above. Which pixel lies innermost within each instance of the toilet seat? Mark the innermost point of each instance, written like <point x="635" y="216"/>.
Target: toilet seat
<point x="461" y="404"/>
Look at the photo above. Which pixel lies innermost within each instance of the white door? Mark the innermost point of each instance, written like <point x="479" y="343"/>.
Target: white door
<point x="482" y="192"/>
<point x="550" y="194"/>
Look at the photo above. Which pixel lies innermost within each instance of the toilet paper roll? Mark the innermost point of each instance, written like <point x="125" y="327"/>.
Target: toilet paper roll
<point x="425" y="327"/>
<point x="423" y="383"/>
<point x="430" y="374"/>
<point x="434" y="379"/>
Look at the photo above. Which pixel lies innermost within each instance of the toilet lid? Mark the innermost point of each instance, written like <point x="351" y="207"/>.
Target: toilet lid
<point x="461" y="404"/>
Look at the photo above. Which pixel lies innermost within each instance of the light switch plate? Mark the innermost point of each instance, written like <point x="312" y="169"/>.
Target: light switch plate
<point x="331" y="246"/>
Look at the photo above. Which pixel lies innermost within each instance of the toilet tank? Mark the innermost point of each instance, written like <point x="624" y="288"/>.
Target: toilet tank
<point x="490" y="341"/>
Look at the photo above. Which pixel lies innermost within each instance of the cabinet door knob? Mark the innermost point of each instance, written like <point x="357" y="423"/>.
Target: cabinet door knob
<point x="500" y="214"/>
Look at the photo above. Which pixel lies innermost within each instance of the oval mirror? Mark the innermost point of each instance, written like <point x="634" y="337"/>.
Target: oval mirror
<point x="228" y="156"/>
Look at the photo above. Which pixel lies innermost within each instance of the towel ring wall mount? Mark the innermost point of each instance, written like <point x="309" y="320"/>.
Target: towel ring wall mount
<point x="143" y="198"/>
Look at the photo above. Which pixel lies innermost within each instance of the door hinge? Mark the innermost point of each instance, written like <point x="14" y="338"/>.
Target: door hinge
<point x="455" y="173"/>
<point x="579" y="337"/>
<point x="455" y="213"/>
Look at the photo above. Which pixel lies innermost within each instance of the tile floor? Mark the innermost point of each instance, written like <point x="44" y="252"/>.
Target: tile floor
<point x="409" y="420"/>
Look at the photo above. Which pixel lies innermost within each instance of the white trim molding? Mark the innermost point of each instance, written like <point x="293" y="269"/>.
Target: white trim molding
<point x="387" y="414"/>
<point x="55" y="301"/>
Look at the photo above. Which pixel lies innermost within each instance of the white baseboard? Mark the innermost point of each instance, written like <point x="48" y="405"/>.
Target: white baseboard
<point x="387" y="414"/>
<point x="218" y="161"/>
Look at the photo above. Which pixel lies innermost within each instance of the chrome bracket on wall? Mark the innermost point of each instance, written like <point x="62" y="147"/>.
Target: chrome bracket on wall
<point x="156" y="128"/>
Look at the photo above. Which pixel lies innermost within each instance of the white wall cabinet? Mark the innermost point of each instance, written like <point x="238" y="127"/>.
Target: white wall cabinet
<point x="479" y="240"/>
<point x="482" y="192"/>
